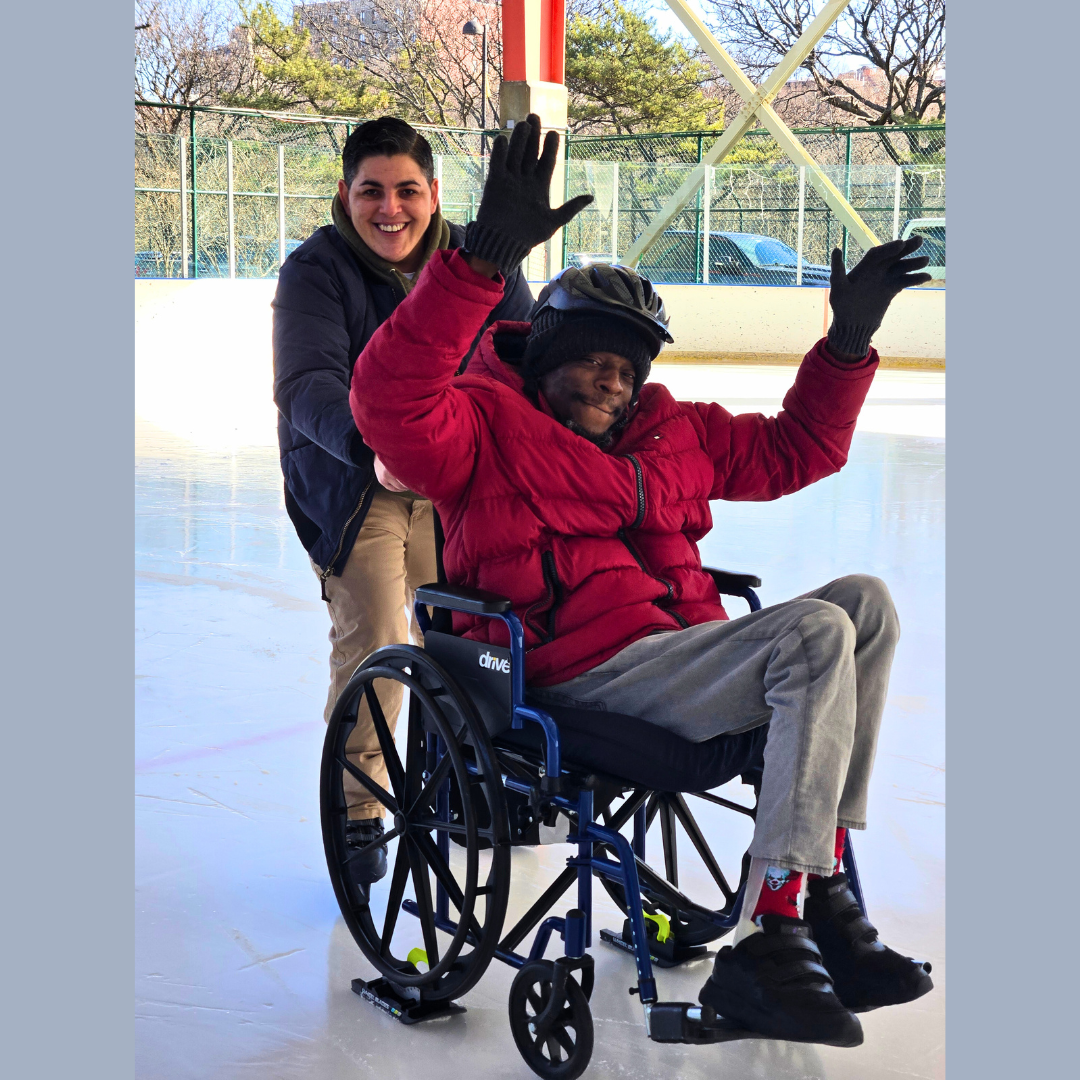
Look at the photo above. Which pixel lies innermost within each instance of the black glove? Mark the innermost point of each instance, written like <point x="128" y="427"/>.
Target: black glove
<point x="515" y="212"/>
<point x="860" y="299"/>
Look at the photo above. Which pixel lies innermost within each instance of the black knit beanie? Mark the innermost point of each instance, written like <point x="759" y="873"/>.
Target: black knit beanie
<point x="556" y="339"/>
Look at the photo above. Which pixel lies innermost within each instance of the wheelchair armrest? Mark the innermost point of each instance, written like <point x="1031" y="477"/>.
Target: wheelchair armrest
<point x="462" y="598"/>
<point x="726" y="580"/>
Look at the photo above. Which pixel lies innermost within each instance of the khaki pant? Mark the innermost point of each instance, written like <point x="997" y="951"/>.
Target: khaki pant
<point x="370" y="606"/>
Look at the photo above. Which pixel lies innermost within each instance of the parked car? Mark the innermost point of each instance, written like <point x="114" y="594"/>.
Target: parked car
<point x="734" y="259"/>
<point x="584" y="258"/>
<point x="152" y="264"/>
<point x="253" y="259"/>
<point x="932" y="230"/>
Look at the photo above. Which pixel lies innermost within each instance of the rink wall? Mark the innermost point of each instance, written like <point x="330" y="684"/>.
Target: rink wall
<point x="762" y="319"/>
<point x="203" y="348"/>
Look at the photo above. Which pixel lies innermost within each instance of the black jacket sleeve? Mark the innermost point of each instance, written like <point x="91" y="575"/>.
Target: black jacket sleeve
<point x="312" y="361"/>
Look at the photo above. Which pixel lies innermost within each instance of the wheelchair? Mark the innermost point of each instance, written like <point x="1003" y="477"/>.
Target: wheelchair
<point x="487" y="768"/>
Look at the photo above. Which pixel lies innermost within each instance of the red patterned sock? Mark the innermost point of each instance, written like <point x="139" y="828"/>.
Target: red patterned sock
<point x="779" y="893"/>
<point x="838" y="851"/>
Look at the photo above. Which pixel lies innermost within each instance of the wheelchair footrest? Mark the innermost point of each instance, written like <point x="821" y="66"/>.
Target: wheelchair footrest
<point x="664" y="954"/>
<point x="682" y="1022"/>
<point x="398" y="1004"/>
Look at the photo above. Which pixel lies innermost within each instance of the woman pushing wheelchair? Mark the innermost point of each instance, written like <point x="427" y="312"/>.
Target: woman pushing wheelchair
<point x="570" y="484"/>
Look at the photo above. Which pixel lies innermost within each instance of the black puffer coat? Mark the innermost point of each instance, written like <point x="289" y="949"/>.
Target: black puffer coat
<point x="326" y="308"/>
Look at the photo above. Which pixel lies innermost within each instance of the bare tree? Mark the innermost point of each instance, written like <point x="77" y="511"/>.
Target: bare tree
<point x="417" y="52"/>
<point x="902" y="42"/>
<point x="187" y="52"/>
<point x="594" y="9"/>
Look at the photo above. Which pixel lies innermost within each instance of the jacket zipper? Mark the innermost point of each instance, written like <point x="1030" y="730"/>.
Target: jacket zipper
<point x="548" y="562"/>
<point x="553" y="599"/>
<point x="656" y="577"/>
<point x="640" y="493"/>
<point x="341" y="541"/>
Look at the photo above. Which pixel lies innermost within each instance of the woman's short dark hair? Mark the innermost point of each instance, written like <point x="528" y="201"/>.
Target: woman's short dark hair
<point x="385" y="137"/>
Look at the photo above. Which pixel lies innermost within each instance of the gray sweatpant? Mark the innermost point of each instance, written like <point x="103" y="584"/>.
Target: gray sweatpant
<point x="815" y="669"/>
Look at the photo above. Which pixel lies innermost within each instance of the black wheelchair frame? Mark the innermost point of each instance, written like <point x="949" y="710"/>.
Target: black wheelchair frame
<point x="549" y="1009"/>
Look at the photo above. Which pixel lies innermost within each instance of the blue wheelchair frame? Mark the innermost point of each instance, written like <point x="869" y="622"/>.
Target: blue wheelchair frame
<point x="664" y="1021"/>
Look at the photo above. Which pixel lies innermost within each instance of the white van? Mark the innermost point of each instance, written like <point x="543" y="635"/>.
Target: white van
<point x="932" y="230"/>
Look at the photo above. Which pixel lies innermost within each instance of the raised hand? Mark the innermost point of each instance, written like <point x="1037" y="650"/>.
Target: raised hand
<point x="860" y="298"/>
<point x="515" y="211"/>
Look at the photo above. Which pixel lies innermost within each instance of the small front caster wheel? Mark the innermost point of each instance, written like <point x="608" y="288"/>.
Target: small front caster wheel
<point x="555" y="1037"/>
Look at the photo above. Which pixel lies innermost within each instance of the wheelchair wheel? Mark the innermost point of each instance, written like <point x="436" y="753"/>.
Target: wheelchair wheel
<point x="446" y="742"/>
<point x="556" y="1046"/>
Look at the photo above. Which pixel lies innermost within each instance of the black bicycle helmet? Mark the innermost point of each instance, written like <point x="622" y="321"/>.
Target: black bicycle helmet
<point x="603" y="289"/>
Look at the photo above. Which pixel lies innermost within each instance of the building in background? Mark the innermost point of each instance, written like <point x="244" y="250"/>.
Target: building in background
<point x="351" y="29"/>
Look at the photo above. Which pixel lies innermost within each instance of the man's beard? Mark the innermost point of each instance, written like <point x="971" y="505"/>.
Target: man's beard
<point x="603" y="440"/>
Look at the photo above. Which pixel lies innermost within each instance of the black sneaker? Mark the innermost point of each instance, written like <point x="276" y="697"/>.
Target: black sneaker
<point x="773" y="983"/>
<point x="866" y="974"/>
<point x="371" y="866"/>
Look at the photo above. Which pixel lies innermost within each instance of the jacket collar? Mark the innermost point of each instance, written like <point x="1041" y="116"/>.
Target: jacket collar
<point x="435" y="239"/>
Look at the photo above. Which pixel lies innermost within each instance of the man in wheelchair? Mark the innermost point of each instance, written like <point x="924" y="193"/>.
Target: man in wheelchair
<point x="569" y="484"/>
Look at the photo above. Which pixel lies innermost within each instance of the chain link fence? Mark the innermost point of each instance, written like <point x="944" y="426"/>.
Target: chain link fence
<point x="230" y="193"/>
<point x="757" y="218"/>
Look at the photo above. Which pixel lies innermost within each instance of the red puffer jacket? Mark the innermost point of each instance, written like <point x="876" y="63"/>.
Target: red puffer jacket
<point x="596" y="548"/>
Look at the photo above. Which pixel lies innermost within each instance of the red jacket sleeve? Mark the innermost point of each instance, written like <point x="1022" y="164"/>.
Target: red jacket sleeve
<point x="425" y="431"/>
<point x="758" y="458"/>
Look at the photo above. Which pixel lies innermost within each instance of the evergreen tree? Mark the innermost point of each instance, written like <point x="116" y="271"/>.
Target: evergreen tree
<point x="623" y="75"/>
<point x="291" y="76"/>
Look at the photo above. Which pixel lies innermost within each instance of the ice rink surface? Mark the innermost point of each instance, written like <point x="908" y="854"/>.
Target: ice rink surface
<point x="243" y="961"/>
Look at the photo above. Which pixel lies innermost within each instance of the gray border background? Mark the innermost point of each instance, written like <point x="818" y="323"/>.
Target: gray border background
<point x="1012" y="543"/>
<point x="66" y="547"/>
<point x="68" y="596"/>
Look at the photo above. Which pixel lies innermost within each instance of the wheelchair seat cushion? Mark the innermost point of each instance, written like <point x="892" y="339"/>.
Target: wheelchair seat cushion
<point x="629" y="748"/>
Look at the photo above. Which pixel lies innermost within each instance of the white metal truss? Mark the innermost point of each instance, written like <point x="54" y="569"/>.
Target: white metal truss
<point x="757" y="105"/>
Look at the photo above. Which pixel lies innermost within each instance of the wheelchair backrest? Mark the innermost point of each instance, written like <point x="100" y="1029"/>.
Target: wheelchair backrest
<point x="481" y="671"/>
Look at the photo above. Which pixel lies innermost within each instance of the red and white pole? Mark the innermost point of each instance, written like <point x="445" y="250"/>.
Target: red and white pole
<point x="534" y="69"/>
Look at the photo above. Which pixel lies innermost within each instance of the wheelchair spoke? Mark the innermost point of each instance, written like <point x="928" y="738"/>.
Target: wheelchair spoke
<point x="660" y="891"/>
<point x="415" y="754"/>
<point x="627" y="810"/>
<point x="539" y="909"/>
<point x="384" y="839"/>
<point x="386" y="742"/>
<point x="442" y="826"/>
<point x="682" y="812"/>
<point x="667" y="833"/>
<point x="564" y="1040"/>
<point x="422" y="889"/>
<point x="650" y="810"/>
<point x="446" y="878"/>
<point x="438" y="775"/>
<point x="553" y="1048"/>
<point x="362" y="777"/>
<point x="393" y="901"/>
<point x="749" y="811"/>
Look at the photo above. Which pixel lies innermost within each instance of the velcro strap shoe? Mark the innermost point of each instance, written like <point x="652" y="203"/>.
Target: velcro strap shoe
<point x="775" y="984"/>
<point x="865" y="973"/>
